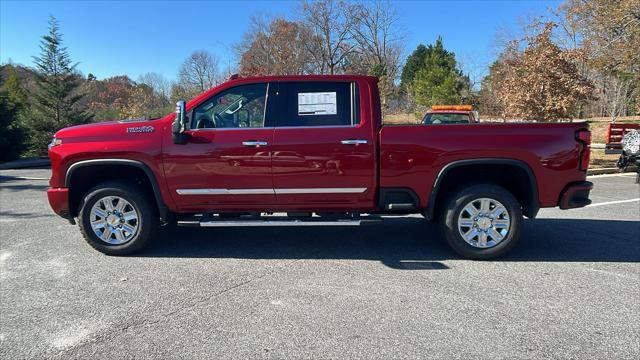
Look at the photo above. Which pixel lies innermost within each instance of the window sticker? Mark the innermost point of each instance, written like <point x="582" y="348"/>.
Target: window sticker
<point x="317" y="103"/>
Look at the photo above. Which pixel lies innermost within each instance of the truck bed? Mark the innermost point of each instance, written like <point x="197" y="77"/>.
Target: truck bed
<point x="413" y="155"/>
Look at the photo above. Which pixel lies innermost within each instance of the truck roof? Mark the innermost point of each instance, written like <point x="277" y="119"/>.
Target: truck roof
<point x="304" y="78"/>
<point x="234" y="79"/>
<point x="449" y="111"/>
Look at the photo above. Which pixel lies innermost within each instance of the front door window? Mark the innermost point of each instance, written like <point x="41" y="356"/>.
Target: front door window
<point x="239" y="107"/>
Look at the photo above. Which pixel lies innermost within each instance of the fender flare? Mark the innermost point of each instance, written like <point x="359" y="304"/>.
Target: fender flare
<point x="530" y="210"/>
<point x="163" y="210"/>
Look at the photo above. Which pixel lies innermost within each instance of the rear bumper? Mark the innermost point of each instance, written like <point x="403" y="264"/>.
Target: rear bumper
<point x="576" y="195"/>
<point x="59" y="201"/>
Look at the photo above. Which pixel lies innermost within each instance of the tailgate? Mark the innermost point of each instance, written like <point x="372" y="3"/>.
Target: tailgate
<point x="614" y="136"/>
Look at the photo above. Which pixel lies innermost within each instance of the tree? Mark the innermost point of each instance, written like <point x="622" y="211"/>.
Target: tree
<point x="56" y="98"/>
<point x="144" y="103"/>
<point x="542" y="83"/>
<point x="331" y="25"/>
<point x="158" y="102"/>
<point x="199" y="72"/>
<point x="278" y="48"/>
<point x="608" y="34"/>
<point x="13" y="101"/>
<point x="438" y="81"/>
<point x="609" y="30"/>
<point x="504" y="66"/>
<point x="414" y="62"/>
<point x="109" y="97"/>
<point x="616" y="94"/>
<point x="158" y="83"/>
<point x="378" y="43"/>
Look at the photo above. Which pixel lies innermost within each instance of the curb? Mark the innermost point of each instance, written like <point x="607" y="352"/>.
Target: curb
<point x="26" y="163"/>
<point x="603" y="171"/>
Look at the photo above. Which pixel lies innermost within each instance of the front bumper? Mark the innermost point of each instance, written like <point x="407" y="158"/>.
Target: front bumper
<point x="576" y="195"/>
<point x="59" y="201"/>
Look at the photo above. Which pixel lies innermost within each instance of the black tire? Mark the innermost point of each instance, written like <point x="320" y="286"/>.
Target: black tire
<point x="455" y="206"/>
<point x="147" y="220"/>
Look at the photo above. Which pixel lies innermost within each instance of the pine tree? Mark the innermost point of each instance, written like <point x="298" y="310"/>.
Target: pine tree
<point x="438" y="81"/>
<point x="56" y="99"/>
<point x="415" y="62"/>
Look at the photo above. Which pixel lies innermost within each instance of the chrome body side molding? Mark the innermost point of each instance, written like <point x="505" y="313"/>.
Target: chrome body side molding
<point x="270" y="191"/>
<point x="225" y="191"/>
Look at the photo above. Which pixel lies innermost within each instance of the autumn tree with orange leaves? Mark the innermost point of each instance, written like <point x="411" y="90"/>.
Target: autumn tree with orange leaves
<point x="277" y="48"/>
<point x="541" y="83"/>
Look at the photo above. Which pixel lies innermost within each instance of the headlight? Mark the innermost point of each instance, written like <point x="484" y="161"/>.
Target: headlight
<point x="55" y="142"/>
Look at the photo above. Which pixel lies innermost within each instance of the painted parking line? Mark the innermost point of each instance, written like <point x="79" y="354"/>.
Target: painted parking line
<point x="614" y="202"/>
<point x="611" y="175"/>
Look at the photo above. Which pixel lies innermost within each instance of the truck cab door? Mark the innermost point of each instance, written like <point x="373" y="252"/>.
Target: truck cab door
<point x="226" y="163"/>
<point x="323" y="150"/>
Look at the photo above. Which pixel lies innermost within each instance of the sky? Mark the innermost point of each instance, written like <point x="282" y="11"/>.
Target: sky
<point x="109" y="38"/>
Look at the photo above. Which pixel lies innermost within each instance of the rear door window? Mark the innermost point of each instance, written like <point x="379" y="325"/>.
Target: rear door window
<point x="317" y="104"/>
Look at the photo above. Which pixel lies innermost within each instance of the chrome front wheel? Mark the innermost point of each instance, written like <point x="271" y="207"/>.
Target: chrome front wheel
<point x="118" y="217"/>
<point x="114" y="220"/>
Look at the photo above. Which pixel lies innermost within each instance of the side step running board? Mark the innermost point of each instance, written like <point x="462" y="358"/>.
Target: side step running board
<point x="401" y="206"/>
<point x="243" y="223"/>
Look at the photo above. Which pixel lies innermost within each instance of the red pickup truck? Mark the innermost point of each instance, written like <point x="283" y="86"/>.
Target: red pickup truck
<point x="311" y="151"/>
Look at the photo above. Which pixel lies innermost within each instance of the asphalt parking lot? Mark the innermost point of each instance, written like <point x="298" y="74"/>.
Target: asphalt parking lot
<point x="571" y="289"/>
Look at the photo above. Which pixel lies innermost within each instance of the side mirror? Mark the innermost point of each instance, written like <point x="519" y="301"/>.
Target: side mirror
<point x="178" y="126"/>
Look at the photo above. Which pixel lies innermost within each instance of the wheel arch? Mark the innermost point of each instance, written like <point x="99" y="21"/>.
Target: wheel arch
<point x="98" y="166"/>
<point x="476" y="171"/>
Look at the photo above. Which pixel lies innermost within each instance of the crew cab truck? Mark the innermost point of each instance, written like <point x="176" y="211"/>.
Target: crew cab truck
<point x="312" y="147"/>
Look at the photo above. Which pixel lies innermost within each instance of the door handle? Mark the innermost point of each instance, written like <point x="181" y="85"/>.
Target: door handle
<point x="353" y="142"/>
<point x="254" y="143"/>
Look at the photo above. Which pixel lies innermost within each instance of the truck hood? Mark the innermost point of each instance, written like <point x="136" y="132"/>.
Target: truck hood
<point x="111" y="128"/>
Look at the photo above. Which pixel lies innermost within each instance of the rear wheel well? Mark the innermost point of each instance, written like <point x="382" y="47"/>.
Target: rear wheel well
<point x="85" y="178"/>
<point x="517" y="179"/>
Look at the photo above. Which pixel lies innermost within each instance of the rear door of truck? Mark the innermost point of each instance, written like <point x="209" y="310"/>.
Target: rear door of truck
<point x="323" y="148"/>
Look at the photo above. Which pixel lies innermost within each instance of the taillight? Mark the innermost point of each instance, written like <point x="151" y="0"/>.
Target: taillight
<point x="609" y="133"/>
<point x="584" y="137"/>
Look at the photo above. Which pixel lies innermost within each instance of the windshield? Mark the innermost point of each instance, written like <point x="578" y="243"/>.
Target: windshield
<point x="437" y="118"/>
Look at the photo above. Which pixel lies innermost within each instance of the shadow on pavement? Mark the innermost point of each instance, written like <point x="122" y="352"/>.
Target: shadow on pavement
<point x="402" y="243"/>
<point x="24" y="187"/>
<point x="15" y="185"/>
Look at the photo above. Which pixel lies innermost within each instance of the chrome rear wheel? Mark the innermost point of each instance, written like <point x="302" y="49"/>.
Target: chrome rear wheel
<point x="481" y="221"/>
<point x="484" y="223"/>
